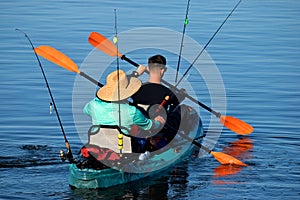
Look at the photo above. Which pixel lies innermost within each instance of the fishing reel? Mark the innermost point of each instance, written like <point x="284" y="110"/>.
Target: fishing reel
<point x="66" y="156"/>
<point x="62" y="155"/>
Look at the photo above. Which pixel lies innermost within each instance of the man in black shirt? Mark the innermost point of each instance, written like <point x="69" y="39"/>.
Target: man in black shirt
<point x="153" y="93"/>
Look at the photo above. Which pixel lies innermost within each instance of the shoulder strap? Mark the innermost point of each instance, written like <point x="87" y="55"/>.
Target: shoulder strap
<point x="94" y="129"/>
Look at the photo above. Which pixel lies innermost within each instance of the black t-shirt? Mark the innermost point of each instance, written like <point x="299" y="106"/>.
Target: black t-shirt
<point x="153" y="93"/>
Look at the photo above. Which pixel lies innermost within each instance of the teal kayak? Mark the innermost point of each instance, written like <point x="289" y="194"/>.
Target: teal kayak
<point x="134" y="168"/>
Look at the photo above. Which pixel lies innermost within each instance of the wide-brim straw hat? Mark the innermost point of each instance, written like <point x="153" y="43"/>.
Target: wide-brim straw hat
<point x="128" y="86"/>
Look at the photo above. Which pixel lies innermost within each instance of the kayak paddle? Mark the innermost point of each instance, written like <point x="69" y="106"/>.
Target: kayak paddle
<point x="53" y="55"/>
<point x="236" y="125"/>
<point x="223" y="158"/>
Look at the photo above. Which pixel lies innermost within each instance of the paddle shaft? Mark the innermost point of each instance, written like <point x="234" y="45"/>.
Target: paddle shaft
<point x="189" y="139"/>
<point x="69" y="153"/>
<point x="131" y="62"/>
<point x="90" y="79"/>
<point x="194" y="142"/>
<point x="217" y="114"/>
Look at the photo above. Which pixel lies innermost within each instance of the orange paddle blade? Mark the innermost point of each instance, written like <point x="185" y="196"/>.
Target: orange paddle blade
<point x="103" y="44"/>
<point x="226" y="159"/>
<point x="57" y="57"/>
<point x="236" y="125"/>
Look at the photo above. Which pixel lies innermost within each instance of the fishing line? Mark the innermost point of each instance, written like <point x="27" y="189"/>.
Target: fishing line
<point x="69" y="152"/>
<point x="186" y="21"/>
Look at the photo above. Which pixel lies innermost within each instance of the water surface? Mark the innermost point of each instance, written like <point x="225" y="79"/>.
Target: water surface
<point x="257" y="53"/>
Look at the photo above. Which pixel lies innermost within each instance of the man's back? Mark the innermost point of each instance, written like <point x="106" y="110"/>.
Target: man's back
<point x="153" y="93"/>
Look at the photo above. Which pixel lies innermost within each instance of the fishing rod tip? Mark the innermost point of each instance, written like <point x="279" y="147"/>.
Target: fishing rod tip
<point x="17" y="29"/>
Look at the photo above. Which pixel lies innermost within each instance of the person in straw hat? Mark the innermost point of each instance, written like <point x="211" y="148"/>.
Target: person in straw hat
<point x="104" y="109"/>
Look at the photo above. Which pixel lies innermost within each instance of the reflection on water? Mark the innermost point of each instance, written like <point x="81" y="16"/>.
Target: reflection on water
<point x="240" y="149"/>
<point x="226" y="170"/>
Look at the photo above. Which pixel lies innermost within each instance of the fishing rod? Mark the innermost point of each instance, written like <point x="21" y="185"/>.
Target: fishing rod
<point x="69" y="154"/>
<point x="186" y="21"/>
<point x="200" y="53"/>
<point x="202" y="50"/>
<point x="229" y="122"/>
<point x="217" y="114"/>
<point x="115" y="40"/>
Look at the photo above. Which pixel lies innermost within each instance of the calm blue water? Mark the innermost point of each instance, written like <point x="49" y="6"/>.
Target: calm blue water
<point x="257" y="53"/>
